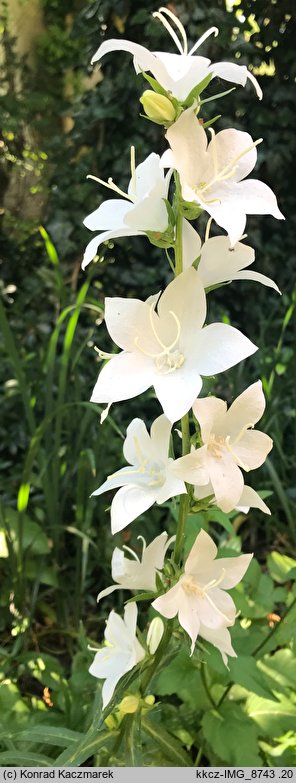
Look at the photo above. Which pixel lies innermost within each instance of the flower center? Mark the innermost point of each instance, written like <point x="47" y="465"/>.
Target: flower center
<point x="217" y="444"/>
<point x="167" y="360"/>
<point x="192" y="588"/>
<point x="227" y="172"/>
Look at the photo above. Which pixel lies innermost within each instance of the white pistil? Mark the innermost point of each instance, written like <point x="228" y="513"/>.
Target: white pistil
<point x="111" y="185"/>
<point x="212" y="31"/>
<point x="160" y="15"/>
<point x="103" y="354"/>
<point x="208" y="228"/>
<point x="166" y="360"/>
<point x="230" y="167"/>
<point x="229" y="445"/>
<point x="131" y="551"/>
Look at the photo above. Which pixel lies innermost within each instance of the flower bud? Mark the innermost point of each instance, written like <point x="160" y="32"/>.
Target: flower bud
<point x="158" y="107"/>
<point x="129" y="704"/>
<point x="111" y="722"/>
<point x="155" y="634"/>
<point x="150" y="700"/>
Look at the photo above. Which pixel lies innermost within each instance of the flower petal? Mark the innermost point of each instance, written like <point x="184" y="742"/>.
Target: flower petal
<point x="245" y="410"/>
<point x="227" y="480"/>
<point x="220" y="262"/>
<point x="177" y="390"/>
<point x="185" y="297"/>
<point x="92" y="247"/>
<point x="128" y="504"/>
<point x="256" y="198"/>
<point x="127" y="475"/>
<point x="188" y="142"/>
<point x="229" y="144"/>
<point x="160" y="436"/>
<point x="210" y="413"/>
<point x="129" y="321"/>
<point x="203" y="552"/>
<point x="189" y="619"/>
<point x="250" y="499"/>
<point x="148" y="175"/>
<point x="192" y="467"/>
<point x="234" y="569"/>
<point x="219" y="347"/>
<point x="107" y="591"/>
<point x="136" y="437"/>
<point x="109" y="215"/>
<point x="191" y="245"/>
<point x="172" y="487"/>
<point x="168" y="603"/>
<point x="220" y="638"/>
<point x="252" y="449"/>
<point x="123" y="377"/>
<point x="238" y="74"/>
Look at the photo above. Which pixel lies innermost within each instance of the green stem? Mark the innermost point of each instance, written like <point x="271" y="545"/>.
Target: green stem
<point x="184" y="499"/>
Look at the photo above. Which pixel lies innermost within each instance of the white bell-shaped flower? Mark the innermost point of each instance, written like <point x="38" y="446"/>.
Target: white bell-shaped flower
<point x="229" y="445"/>
<point x="179" y="73"/>
<point x="148" y="479"/>
<point x="199" y="598"/>
<point x="213" y="174"/>
<point x="121" y="653"/>
<point x="165" y="345"/>
<point x="140" y="210"/>
<point x="136" y="574"/>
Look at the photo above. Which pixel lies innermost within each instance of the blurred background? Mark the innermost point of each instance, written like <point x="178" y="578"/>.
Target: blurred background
<point x="61" y="119"/>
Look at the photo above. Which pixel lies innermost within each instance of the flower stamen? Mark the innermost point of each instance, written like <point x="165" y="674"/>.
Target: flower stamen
<point x="111" y="185"/>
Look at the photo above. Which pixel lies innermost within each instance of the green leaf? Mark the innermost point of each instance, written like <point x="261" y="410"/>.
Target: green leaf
<point x="155" y="85"/>
<point x="181" y="677"/>
<point x="244" y="672"/>
<point x="22" y="759"/>
<point x="197" y="90"/>
<point x="280" y="566"/>
<point x="85" y="748"/>
<point x="280" y="669"/>
<point x="169" y="745"/>
<point x="232" y="736"/>
<point x="34" y="539"/>
<point x="273" y="718"/>
<point x="50" y="735"/>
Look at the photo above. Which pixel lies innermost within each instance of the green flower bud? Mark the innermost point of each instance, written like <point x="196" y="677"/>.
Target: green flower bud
<point x="155" y="634"/>
<point x="158" y="107"/>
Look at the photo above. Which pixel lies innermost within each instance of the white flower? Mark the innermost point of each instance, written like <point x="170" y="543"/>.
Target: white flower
<point x="121" y="653"/>
<point x="178" y="73"/>
<point x="199" y="597"/>
<point x="248" y="499"/>
<point x="167" y="347"/>
<point x="138" y="574"/>
<point x="140" y="210"/>
<point x="149" y="478"/>
<point x="229" y="444"/>
<point x="220" y="263"/>
<point x="211" y="174"/>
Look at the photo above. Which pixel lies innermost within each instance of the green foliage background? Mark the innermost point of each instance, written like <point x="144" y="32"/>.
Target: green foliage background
<point x="55" y="544"/>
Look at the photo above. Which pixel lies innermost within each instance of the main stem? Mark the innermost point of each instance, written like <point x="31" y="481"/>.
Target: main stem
<point x="184" y="499"/>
